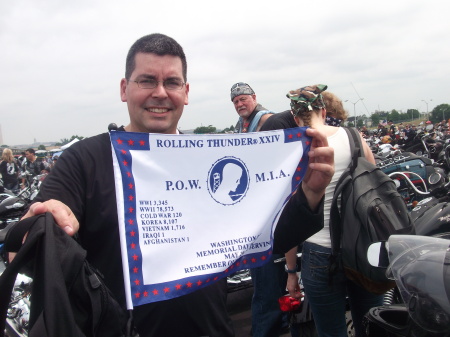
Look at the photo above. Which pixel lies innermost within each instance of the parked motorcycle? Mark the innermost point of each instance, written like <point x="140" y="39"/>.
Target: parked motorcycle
<point x="12" y="206"/>
<point x="4" y="190"/>
<point x="239" y="280"/>
<point x="18" y="314"/>
<point x="431" y="217"/>
<point x="11" y="209"/>
<point x="425" y="143"/>
<point x="32" y="187"/>
<point x="420" y="265"/>
<point x="416" y="177"/>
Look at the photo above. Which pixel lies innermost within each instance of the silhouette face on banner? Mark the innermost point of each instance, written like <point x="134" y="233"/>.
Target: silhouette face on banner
<point x="228" y="181"/>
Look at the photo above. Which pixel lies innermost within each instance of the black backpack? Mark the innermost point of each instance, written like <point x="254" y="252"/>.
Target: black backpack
<point x="370" y="210"/>
<point x="68" y="295"/>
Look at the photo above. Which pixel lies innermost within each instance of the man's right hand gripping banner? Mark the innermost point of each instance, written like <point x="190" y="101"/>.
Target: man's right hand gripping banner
<point x="196" y="208"/>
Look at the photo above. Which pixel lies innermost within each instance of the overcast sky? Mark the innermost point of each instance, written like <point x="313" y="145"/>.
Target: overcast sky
<point x="62" y="61"/>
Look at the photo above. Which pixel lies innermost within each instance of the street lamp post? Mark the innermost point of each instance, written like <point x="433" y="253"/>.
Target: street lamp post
<point x="428" y="117"/>
<point x="354" y="108"/>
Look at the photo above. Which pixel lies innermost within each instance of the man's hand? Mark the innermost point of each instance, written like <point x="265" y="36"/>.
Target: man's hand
<point x="61" y="212"/>
<point x="320" y="169"/>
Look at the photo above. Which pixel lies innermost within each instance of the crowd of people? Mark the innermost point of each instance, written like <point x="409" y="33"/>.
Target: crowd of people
<point x="403" y="133"/>
<point x="80" y="193"/>
<point x="327" y="294"/>
<point x="16" y="172"/>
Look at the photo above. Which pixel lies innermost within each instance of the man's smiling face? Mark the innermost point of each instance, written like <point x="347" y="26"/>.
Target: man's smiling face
<point x="155" y="110"/>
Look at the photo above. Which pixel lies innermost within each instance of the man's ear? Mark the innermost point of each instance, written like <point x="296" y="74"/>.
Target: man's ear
<point x="186" y="100"/>
<point x="123" y="89"/>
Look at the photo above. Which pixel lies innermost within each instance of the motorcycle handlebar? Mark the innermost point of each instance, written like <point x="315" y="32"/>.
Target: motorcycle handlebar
<point x="410" y="183"/>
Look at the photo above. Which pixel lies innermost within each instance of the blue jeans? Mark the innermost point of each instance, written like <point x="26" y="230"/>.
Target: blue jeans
<point x="269" y="284"/>
<point x="328" y="299"/>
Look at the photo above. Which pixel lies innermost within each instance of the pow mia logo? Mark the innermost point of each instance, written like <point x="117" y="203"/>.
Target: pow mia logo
<point x="228" y="180"/>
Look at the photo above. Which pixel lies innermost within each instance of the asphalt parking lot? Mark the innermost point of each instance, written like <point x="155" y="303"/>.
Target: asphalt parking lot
<point x="239" y="307"/>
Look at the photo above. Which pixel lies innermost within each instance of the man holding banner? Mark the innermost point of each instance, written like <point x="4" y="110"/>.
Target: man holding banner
<point x="129" y="195"/>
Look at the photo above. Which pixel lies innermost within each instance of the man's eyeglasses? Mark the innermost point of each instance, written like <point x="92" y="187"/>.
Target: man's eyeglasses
<point x="169" y="84"/>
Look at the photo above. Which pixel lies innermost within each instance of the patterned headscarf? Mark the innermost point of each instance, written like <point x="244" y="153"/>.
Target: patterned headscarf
<point x="241" y="88"/>
<point x="332" y="121"/>
<point x="307" y="98"/>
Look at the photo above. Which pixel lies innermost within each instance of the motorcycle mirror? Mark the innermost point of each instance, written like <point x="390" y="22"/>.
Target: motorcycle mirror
<point x="377" y="254"/>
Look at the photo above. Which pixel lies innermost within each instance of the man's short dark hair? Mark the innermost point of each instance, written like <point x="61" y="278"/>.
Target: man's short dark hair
<point x="30" y="150"/>
<point x="158" y="44"/>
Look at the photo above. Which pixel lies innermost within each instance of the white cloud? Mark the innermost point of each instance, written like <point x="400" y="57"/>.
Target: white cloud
<point x="62" y="61"/>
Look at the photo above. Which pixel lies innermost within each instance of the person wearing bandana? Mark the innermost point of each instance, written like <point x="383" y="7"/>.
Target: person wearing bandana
<point x="335" y="115"/>
<point x="252" y="115"/>
<point x="269" y="280"/>
<point x="326" y="293"/>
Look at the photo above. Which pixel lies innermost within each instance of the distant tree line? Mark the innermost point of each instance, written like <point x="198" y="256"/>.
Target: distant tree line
<point x="212" y="129"/>
<point x="439" y="113"/>
<point x="394" y="116"/>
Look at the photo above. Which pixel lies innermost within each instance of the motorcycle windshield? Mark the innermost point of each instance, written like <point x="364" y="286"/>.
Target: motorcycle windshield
<point x="420" y="265"/>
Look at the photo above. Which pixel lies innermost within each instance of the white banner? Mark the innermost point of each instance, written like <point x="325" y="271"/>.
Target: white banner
<point x="196" y="208"/>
